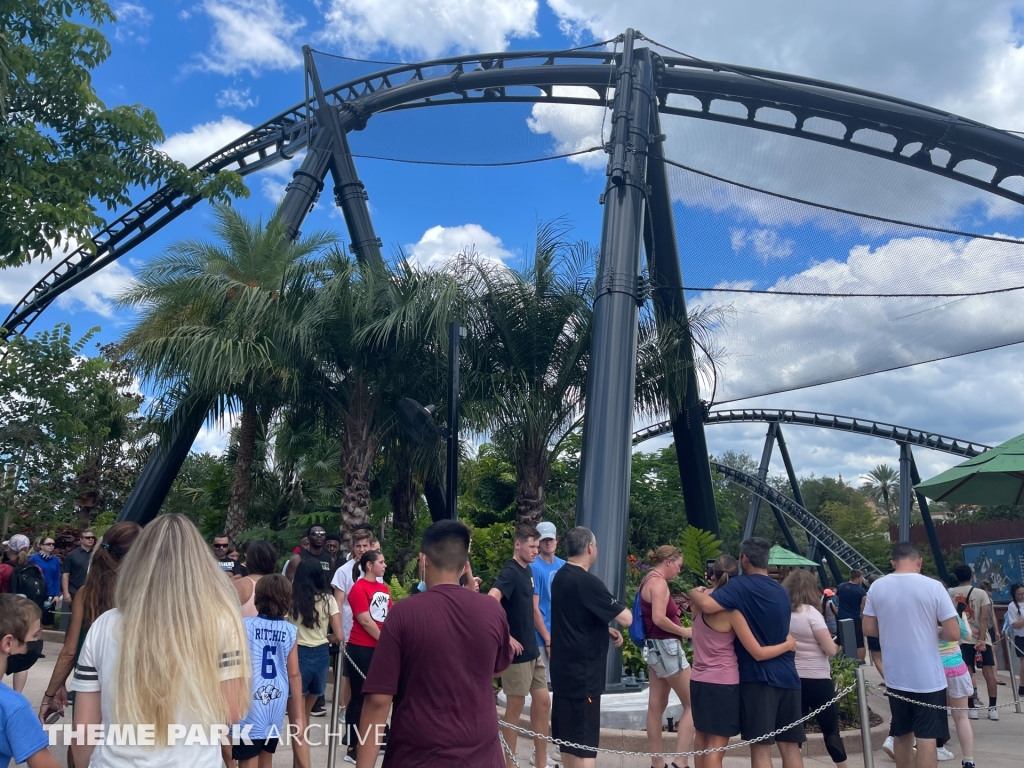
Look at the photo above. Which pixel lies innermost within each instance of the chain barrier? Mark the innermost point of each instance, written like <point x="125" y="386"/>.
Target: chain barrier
<point x="887" y="693"/>
<point x="695" y="753"/>
<point x="508" y="749"/>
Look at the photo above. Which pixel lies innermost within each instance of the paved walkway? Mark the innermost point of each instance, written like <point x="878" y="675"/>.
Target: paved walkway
<point x="997" y="744"/>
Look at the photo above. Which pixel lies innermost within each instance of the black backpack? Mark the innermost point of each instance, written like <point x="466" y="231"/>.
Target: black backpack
<point x="28" y="580"/>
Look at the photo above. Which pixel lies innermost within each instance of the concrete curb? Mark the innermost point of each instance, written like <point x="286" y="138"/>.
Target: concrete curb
<point x="636" y="741"/>
<point x="53" y="636"/>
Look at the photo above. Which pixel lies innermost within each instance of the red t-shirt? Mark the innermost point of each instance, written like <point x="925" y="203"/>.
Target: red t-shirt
<point x="437" y="655"/>
<point x="368" y="596"/>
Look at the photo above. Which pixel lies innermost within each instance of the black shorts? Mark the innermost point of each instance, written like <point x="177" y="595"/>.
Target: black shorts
<point x="764" y="708"/>
<point x="715" y="708"/>
<point x="969" y="652"/>
<point x="249" y="751"/>
<point x="578" y="721"/>
<point x="1018" y="646"/>
<point x="874" y="645"/>
<point x="923" y="722"/>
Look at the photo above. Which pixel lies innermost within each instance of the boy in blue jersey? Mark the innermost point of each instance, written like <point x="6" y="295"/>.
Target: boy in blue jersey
<point x="21" y="735"/>
<point x="276" y="680"/>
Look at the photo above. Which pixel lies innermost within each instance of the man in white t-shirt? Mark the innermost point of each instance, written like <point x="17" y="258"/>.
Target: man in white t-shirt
<point x="908" y="612"/>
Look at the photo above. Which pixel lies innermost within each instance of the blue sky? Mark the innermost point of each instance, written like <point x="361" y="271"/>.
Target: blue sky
<point x="212" y="68"/>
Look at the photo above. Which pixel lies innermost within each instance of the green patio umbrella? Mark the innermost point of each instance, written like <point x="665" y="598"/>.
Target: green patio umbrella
<point x="783" y="557"/>
<point x="990" y="479"/>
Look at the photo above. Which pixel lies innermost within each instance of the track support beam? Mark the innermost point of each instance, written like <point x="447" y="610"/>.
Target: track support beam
<point x="686" y="410"/>
<point x="762" y="475"/>
<point x="603" y="498"/>
<point x="906" y="492"/>
<point x="926" y="518"/>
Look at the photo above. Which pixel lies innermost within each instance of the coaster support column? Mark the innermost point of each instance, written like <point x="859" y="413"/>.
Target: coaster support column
<point x="603" y="497"/>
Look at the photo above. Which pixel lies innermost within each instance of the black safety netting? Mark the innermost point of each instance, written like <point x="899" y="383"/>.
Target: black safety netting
<point x="822" y="263"/>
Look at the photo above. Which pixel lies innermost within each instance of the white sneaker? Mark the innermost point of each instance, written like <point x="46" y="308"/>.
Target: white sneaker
<point x="533" y="761"/>
<point x="993" y="713"/>
<point x="943" y="754"/>
<point x="888" y="746"/>
<point x="973" y="713"/>
<point x="350" y="759"/>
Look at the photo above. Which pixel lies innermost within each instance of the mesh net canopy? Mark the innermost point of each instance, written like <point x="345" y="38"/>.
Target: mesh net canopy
<point x="824" y="263"/>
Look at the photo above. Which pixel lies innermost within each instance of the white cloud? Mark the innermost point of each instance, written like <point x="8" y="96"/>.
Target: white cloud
<point x="429" y="28"/>
<point x="237" y="98"/>
<point x="574" y="127"/>
<point x="773" y="343"/>
<point x="767" y="243"/>
<point x="439" y="244"/>
<point x="214" y="439"/>
<point x="92" y="295"/>
<point x="204" y="139"/>
<point x="958" y="56"/>
<point x="274" y="181"/>
<point x="250" y="36"/>
<point x="132" y="23"/>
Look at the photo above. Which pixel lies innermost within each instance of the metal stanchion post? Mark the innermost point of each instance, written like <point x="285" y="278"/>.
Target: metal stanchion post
<point x="332" y="726"/>
<point x="865" y="718"/>
<point x="1011" y="657"/>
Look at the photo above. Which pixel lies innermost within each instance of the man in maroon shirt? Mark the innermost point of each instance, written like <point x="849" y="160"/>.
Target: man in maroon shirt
<point x="437" y="655"/>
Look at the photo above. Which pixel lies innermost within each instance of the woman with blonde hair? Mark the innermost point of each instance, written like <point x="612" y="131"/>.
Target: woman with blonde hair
<point x="95" y="598"/>
<point x="667" y="665"/>
<point x="715" y="680"/>
<point x="814" y="647"/>
<point x="169" y="662"/>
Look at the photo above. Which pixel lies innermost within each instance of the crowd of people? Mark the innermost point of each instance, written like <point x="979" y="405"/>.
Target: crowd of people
<point x="168" y="631"/>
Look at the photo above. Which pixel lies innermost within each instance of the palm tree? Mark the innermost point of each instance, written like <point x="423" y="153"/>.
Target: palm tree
<point x="380" y="336"/>
<point x="529" y="340"/>
<point x="881" y="484"/>
<point x="220" y="320"/>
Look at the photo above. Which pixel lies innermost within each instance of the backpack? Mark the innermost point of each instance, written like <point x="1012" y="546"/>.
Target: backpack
<point x="637" y="633"/>
<point x="28" y="580"/>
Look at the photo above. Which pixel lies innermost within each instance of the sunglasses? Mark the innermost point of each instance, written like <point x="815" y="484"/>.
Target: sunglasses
<point x="47" y="543"/>
<point x="221" y="546"/>
<point x="88" y="538"/>
<point x="318" y="533"/>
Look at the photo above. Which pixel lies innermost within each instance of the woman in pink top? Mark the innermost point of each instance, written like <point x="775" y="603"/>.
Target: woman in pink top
<point x="814" y="647"/>
<point x="715" y="680"/>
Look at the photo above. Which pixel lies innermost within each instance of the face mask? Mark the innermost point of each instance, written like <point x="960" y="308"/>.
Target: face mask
<point x="422" y="586"/>
<point x="22" y="661"/>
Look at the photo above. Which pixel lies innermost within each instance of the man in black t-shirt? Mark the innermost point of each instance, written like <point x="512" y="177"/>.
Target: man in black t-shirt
<point x="221" y="548"/>
<point x="526" y="675"/>
<point x="851" y="596"/>
<point x="317" y="537"/>
<point x="581" y="608"/>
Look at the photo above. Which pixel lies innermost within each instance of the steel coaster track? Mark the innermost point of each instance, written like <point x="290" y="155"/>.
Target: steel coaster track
<point x="908" y="435"/>
<point x="814" y="527"/>
<point x="894" y="129"/>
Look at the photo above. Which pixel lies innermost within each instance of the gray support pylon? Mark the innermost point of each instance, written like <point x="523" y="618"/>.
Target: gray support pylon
<point x="762" y="475"/>
<point x="787" y="534"/>
<point x="926" y="518"/>
<point x="814" y="548"/>
<point x="187" y="419"/>
<point x="452" y="459"/>
<point x="349" y="191"/>
<point x="670" y="314"/>
<point x="906" y="492"/>
<point x="603" y="497"/>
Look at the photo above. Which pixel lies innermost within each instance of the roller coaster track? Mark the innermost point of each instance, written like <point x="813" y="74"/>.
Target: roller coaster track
<point x="900" y="131"/>
<point x="814" y="527"/>
<point x="850" y="424"/>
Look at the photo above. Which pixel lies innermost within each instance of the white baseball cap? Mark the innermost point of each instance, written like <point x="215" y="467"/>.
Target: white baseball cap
<point x="547" y="531"/>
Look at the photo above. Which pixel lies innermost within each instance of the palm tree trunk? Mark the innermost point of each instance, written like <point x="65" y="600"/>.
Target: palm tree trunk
<point x="404" y="500"/>
<point x="359" y="446"/>
<point x="241" y="482"/>
<point x="532" y="470"/>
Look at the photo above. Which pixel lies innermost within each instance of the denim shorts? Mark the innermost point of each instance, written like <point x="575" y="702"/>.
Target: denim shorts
<point x="665" y="657"/>
<point x="313" y="665"/>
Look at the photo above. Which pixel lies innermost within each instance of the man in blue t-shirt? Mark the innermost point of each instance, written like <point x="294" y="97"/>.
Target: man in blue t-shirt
<point x="544" y="569"/>
<point x="851" y="596"/>
<point x="21" y="735"/>
<point x="769" y="690"/>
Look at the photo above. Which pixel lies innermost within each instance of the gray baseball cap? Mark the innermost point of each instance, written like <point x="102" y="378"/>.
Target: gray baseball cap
<point x="547" y="531"/>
